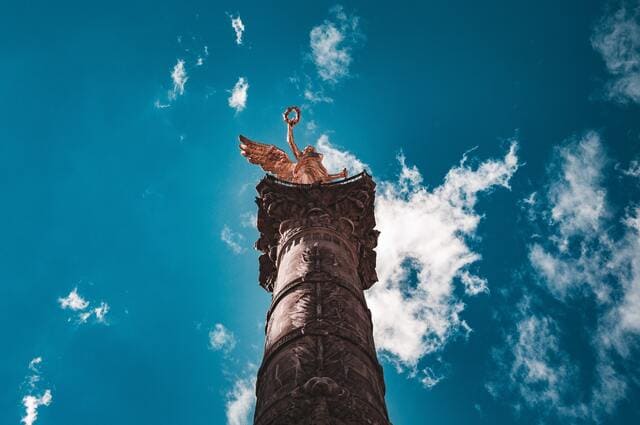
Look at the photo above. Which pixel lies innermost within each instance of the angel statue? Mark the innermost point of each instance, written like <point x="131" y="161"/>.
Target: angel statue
<point x="307" y="170"/>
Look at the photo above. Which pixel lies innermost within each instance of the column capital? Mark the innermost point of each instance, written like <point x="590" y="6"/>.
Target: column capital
<point x="344" y="207"/>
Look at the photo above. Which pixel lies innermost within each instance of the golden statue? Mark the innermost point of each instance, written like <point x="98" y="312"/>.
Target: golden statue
<point x="307" y="170"/>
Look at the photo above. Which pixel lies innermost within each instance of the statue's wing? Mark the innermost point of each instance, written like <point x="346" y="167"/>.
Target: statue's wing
<point x="269" y="157"/>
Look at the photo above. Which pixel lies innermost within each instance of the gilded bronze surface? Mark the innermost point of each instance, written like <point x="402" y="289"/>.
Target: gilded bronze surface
<point x="307" y="170"/>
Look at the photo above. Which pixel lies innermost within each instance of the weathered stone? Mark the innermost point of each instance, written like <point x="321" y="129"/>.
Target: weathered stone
<point x="320" y="364"/>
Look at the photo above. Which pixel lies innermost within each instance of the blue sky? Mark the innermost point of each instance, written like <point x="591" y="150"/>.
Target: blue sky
<point x="505" y="141"/>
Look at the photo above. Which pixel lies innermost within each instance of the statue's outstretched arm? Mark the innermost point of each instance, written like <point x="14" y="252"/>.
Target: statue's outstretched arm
<point x="341" y="175"/>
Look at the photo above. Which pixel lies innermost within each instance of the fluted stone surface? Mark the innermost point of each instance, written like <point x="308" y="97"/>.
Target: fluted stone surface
<point x="319" y="364"/>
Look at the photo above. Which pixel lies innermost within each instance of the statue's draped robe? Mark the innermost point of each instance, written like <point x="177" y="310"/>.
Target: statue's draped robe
<point x="309" y="169"/>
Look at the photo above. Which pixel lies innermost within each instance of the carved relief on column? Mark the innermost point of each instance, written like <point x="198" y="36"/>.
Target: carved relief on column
<point x="320" y="363"/>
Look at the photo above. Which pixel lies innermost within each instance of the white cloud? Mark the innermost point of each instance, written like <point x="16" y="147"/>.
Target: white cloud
<point x="473" y="285"/>
<point x="159" y="105"/>
<point x="179" y="78"/>
<point x="249" y="220"/>
<point x="577" y="207"/>
<point x="429" y="379"/>
<point x="537" y="369"/>
<point x="617" y="39"/>
<point x="311" y="126"/>
<point x="620" y="260"/>
<point x="585" y="257"/>
<point x="238" y="98"/>
<point x="578" y="198"/>
<point x="317" y="97"/>
<point x="34" y="378"/>
<point x="331" y="44"/>
<point x="335" y="160"/>
<point x="73" y="301"/>
<point x="33" y="364"/>
<point x="101" y="312"/>
<point x="31" y="404"/>
<point x="232" y="239"/>
<point x="528" y="205"/>
<point x="221" y="338"/>
<point x="424" y="232"/>
<point x="238" y="27"/>
<point x="633" y="170"/>
<point x="241" y="401"/>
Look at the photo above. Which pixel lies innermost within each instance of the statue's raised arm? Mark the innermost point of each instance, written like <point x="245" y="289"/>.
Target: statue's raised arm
<point x="307" y="170"/>
<point x="291" y="122"/>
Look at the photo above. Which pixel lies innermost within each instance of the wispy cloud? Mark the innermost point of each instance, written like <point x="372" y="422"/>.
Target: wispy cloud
<point x="241" y="401"/>
<point x="179" y="78"/>
<point x="233" y="240"/>
<point x="316" y="96"/>
<point x="429" y="379"/>
<point x="31" y="402"/>
<point x="423" y="253"/>
<point x="577" y="206"/>
<point x="473" y="285"/>
<point x="34" y="378"/>
<point x="99" y="313"/>
<point x="238" y="28"/>
<point x="75" y="302"/>
<point x="617" y="39"/>
<point x="33" y="364"/>
<point x="221" y="338"/>
<point x="249" y="220"/>
<point x="633" y="170"/>
<point x="587" y="256"/>
<point x="238" y="98"/>
<point x="240" y="398"/>
<point x="332" y="42"/>
<point x="424" y="238"/>
<point x="335" y="160"/>
<point x="578" y="198"/>
<point x="536" y="367"/>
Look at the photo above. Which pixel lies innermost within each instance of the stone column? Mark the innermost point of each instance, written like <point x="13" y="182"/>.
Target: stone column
<point x="319" y="364"/>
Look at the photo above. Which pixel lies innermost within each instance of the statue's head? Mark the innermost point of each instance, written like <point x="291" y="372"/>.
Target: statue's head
<point x="309" y="150"/>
